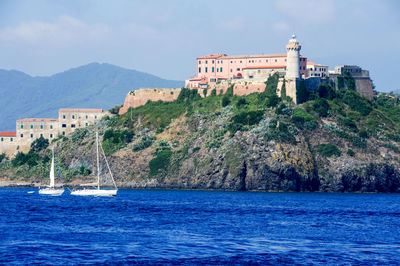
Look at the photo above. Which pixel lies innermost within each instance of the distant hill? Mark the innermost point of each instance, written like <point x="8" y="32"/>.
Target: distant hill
<point x="90" y="86"/>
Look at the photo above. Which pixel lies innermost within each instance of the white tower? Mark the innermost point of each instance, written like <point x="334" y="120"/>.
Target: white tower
<point x="292" y="59"/>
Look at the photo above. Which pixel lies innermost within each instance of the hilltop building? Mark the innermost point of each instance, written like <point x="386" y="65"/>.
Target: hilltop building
<point x="29" y="129"/>
<point x="248" y="74"/>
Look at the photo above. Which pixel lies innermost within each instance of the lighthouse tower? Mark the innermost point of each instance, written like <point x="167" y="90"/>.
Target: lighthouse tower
<point x="292" y="59"/>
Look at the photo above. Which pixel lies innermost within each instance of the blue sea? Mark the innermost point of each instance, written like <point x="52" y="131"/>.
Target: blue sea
<point x="199" y="227"/>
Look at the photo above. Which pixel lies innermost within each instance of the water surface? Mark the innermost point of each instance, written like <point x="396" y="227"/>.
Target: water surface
<point x="193" y="227"/>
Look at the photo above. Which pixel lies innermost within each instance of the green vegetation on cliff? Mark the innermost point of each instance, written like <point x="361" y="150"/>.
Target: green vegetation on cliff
<point x="255" y="142"/>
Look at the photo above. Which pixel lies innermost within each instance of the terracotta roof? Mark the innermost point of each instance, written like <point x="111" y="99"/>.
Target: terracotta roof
<point x="253" y="56"/>
<point x="314" y="64"/>
<point x="81" y="110"/>
<point x="264" y="67"/>
<point x="8" y="134"/>
<point x="38" y="120"/>
<point x="211" y="56"/>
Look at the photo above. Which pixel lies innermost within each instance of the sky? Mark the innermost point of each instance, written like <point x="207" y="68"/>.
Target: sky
<point x="164" y="37"/>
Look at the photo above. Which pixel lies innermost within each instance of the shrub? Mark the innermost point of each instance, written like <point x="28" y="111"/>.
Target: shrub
<point x="350" y="124"/>
<point x="303" y="120"/>
<point x="225" y="101"/>
<point x="350" y="152"/>
<point x="145" y="142"/>
<point x="187" y="95"/>
<point x="2" y="157"/>
<point x="31" y="159"/>
<point x="39" y="144"/>
<point x="213" y="92"/>
<point x="115" y="110"/>
<point x="321" y="106"/>
<point x="357" y="102"/>
<point x="160" y="162"/>
<point x="114" y="140"/>
<point x="326" y="91"/>
<point x="328" y="150"/>
<point x="273" y="100"/>
<point x="248" y="118"/>
<point x="241" y="102"/>
<point x="302" y="93"/>
<point x="349" y="80"/>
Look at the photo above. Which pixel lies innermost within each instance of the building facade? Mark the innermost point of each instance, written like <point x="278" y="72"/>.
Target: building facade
<point x="29" y="129"/>
<point x="218" y="67"/>
<point x="316" y="70"/>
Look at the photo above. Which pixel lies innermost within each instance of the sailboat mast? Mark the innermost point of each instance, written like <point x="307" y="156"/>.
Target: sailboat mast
<point x="98" y="165"/>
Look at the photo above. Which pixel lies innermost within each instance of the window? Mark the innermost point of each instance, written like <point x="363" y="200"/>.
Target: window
<point x="220" y="69"/>
<point x="73" y="117"/>
<point x="213" y="61"/>
<point x="240" y="61"/>
<point x="199" y="69"/>
<point x="199" y="62"/>
<point x="95" y="117"/>
<point x="22" y="135"/>
<point x="31" y="135"/>
<point x="231" y="70"/>
<point x="276" y="60"/>
<point x="206" y="69"/>
<point x="72" y="125"/>
<point x="231" y="62"/>
<point x="285" y="60"/>
<point x="22" y="126"/>
<point x="63" y="116"/>
<point x="41" y="126"/>
<point x="63" y="133"/>
<point x="51" y="135"/>
<point x="266" y="60"/>
<point x="31" y="126"/>
<point x="2" y="139"/>
<point x="41" y="135"/>
<point x="86" y="117"/>
<point x="206" y="62"/>
<point x="51" y="126"/>
<point x="11" y="139"/>
<point x="217" y="69"/>
<point x="249" y="61"/>
<point x="64" y="125"/>
<point x="212" y="69"/>
<point x="86" y="124"/>
<point x="237" y="69"/>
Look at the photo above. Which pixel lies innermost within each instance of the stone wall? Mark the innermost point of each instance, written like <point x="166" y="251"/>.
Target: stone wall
<point x="140" y="97"/>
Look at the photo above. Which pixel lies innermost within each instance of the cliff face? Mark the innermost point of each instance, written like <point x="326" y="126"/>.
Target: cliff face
<point x="205" y="155"/>
<point x="237" y="143"/>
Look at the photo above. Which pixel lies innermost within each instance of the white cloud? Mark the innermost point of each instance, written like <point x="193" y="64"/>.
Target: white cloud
<point x="281" y="26"/>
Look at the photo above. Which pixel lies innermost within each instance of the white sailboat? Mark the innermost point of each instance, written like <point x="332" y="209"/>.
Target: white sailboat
<point x="97" y="191"/>
<point x="51" y="189"/>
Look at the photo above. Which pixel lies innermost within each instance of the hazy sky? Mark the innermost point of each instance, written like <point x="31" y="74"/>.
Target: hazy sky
<point x="43" y="37"/>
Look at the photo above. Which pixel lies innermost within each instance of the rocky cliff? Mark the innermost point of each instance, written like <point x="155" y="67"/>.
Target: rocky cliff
<point x="239" y="143"/>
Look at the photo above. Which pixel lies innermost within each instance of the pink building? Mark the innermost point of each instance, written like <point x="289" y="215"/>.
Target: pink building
<point x="215" y="67"/>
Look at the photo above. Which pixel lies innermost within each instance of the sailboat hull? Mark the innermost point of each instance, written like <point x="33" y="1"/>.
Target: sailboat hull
<point x="51" y="191"/>
<point x="95" y="192"/>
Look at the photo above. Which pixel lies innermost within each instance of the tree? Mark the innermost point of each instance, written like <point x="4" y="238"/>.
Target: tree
<point x="326" y="91"/>
<point x="302" y="93"/>
<point x="39" y="144"/>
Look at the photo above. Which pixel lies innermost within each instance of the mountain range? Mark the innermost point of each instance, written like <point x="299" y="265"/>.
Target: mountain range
<point x="90" y="86"/>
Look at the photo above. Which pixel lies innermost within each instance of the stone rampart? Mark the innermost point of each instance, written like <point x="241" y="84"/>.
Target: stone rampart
<point x="140" y="97"/>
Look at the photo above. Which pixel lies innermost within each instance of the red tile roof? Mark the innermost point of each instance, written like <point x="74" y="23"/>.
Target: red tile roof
<point x="264" y="67"/>
<point x="38" y="120"/>
<point x="8" y="134"/>
<point x="314" y="64"/>
<point x="211" y="56"/>
<point x="81" y="110"/>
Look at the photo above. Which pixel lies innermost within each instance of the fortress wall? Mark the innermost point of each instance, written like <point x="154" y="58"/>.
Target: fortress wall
<point x="364" y="87"/>
<point x="140" y="97"/>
